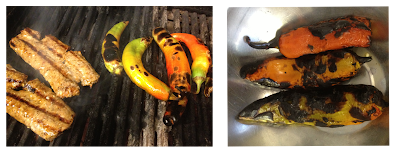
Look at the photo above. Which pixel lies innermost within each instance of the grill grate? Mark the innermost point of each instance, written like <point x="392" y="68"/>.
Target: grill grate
<point x="115" y="112"/>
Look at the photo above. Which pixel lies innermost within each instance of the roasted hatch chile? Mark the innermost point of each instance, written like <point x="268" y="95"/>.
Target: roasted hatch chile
<point x="177" y="64"/>
<point x="335" y="106"/>
<point x="349" y="31"/>
<point x="133" y="66"/>
<point x="200" y="55"/>
<point x="110" y="48"/>
<point x="317" y="70"/>
<point x="174" y="111"/>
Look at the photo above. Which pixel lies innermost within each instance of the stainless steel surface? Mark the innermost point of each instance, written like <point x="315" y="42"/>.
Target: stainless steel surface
<point x="264" y="24"/>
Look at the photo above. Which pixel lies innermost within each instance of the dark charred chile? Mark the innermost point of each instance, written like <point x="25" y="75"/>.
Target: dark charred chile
<point x="110" y="48"/>
<point x="335" y="106"/>
<point x="309" y="71"/>
<point x="334" y="34"/>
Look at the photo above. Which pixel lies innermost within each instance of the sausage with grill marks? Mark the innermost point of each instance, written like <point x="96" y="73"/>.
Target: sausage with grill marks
<point x="37" y="107"/>
<point x="28" y="49"/>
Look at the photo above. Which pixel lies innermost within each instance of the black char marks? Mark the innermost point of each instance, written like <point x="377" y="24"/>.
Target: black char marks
<point x="332" y="65"/>
<point x="163" y="35"/>
<point x="311" y="47"/>
<point x="157" y="30"/>
<point x="338" y="27"/>
<point x="178" y="48"/>
<point x="358" y="114"/>
<point x="322" y="29"/>
<point x="250" y="68"/>
<point x="110" y="49"/>
<point x="290" y="106"/>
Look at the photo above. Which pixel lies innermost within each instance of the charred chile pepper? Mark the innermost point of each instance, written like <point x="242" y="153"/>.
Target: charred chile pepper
<point x="133" y="66"/>
<point x="200" y="55"/>
<point x="110" y="48"/>
<point x="349" y="31"/>
<point x="317" y="70"/>
<point x="335" y="106"/>
<point x="177" y="64"/>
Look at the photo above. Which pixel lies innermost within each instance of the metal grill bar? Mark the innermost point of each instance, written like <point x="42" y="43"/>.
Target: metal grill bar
<point x="115" y="112"/>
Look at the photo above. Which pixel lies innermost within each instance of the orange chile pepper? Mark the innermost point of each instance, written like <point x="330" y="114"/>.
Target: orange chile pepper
<point x="200" y="55"/>
<point x="178" y="68"/>
<point x="177" y="64"/>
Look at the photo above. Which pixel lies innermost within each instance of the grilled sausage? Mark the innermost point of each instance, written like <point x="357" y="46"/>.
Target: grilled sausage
<point x="349" y="31"/>
<point x="31" y="50"/>
<point x="317" y="70"/>
<point x="335" y="106"/>
<point x="14" y="78"/>
<point x="37" y="107"/>
<point x="88" y="76"/>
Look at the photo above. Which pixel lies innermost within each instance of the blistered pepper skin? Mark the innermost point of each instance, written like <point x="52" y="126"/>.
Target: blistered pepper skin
<point x="318" y="70"/>
<point x="110" y="48"/>
<point x="333" y="34"/>
<point x="133" y="66"/>
<point x="177" y="64"/>
<point x="200" y="55"/>
<point x="178" y="69"/>
<point x="335" y="106"/>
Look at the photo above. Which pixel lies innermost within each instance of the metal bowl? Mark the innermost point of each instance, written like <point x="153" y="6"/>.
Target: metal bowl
<point x="264" y="24"/>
